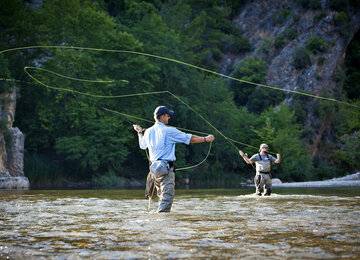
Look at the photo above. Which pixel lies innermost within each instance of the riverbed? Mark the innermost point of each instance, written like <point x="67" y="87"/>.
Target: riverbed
<point x="292" y="223"/>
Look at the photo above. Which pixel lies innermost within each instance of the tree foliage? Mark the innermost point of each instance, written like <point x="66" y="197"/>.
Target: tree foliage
<point x="252" y="70"/>
<point x="350" y="145"/>
<point x="65" y="128"/>
<point x="352" y="60"/>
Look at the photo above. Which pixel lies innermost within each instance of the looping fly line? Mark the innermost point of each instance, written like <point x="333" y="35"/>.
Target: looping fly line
<point x="231" y="141"/>
<point x="118" y="96"/>
<point x="183" y="63"/>
<point x="133" y="95"/>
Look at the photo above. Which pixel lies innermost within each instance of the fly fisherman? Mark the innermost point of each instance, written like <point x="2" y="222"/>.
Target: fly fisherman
<point x="262" y="161"/>
<point x="160" y="140"/>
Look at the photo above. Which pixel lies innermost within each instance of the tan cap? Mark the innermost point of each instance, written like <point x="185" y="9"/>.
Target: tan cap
<point x="261" y="146"/>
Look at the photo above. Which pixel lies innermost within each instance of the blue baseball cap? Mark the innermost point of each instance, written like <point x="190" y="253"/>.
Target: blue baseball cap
<point x="162" y="110"/>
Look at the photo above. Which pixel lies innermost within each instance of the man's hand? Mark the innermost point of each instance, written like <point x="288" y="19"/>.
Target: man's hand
<point x="210" y="138"/>
<point x="244" y="156"/>
<point x="278" y="160"/>
<point x="138" y="128"/>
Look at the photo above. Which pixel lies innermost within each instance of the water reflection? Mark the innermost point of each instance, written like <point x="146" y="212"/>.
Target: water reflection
<point x="113" y="224"/>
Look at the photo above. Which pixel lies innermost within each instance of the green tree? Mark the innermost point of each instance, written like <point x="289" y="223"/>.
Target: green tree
<point x="296" y="162"/>
<point x="99" y="148"/>
<point x="6" y="83"/>
<point x="310" y="4"/>
<point x="266" y="134"/>
<point x="250" y="69"/>
<point x="301" y="58"/>
<point x="72" y="130"/>
<point x="59" y="122"/>
<point x="261" y="98"/>
<point x="206" y="30"/>
<point x="352" y="61"/>
<point x="350" y="145"/>
<point x="338" y="5"/>
<point x="316" y="45"/>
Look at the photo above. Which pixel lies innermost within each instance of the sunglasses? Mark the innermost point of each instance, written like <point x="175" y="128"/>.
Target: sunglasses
<point x="265" y="147"/>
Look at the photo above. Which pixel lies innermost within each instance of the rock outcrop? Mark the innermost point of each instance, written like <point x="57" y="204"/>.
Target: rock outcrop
<point x="264" y="22"/>
<point x="11" y="146"/>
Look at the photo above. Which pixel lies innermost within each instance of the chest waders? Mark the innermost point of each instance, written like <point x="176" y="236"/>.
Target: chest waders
<point x="150" y="188"/>
<point x="164" y="184"/>
<point x="262" y="178"/>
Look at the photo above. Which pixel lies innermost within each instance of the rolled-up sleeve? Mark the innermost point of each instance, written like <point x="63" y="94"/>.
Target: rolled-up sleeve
<point x="143" y="143"/>
<point x="176" y="136"/>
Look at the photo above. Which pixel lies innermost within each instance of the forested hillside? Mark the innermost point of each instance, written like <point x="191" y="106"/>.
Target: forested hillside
<point x="309" y="46"/>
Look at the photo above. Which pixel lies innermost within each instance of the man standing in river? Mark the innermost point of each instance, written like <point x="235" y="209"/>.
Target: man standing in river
<point x="160" y="140"/>
<point x="262" y="161"/>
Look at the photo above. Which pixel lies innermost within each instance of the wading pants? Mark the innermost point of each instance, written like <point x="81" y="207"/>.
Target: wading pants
<point x="165" y="186"/>
<point x="263" y="184"/>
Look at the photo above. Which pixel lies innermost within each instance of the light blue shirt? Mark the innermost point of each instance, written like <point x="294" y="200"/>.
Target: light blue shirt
<point x="161" y="139"/>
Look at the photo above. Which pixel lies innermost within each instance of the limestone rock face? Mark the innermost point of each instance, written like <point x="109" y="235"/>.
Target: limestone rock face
<point x="259" y="22"/>
<point x="3" y="158"/>
<point x="15" y="152"/>
<point x="11" y="146"/>
<point x="14" y="183"/>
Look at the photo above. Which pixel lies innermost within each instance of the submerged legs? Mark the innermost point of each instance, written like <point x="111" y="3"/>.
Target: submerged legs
<point x="165" y="186"/>
<point x="263" y="184"/>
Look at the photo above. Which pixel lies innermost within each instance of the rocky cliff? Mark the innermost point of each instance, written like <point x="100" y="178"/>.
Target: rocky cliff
<point x="277" y="29"/>
<point x="11" y="146"/>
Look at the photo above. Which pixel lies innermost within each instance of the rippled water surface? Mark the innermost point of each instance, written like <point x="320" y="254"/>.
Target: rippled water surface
<point x="217" y="223"/>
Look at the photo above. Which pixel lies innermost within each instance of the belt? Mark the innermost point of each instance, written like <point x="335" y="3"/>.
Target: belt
<point x="265" y="172"/>
<point x="171" y="163"/>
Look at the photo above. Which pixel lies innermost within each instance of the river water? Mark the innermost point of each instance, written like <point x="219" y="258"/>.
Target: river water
<point x="212" y="224"/>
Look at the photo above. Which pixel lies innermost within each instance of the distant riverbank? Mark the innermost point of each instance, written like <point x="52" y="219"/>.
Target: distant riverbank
<point x="346" y="181"/>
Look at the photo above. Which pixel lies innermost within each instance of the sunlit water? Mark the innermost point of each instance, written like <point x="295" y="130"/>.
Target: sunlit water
<point x="210" y="224"/>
